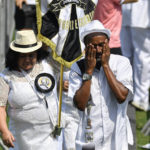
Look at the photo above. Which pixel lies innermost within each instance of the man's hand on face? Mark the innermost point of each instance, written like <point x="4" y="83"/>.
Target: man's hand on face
<point x="105" y="53"/>
<point x="90" y="58"/>
<point x="97" y="53"/>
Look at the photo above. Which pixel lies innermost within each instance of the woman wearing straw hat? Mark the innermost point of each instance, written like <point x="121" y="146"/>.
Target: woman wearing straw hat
<point x="28" y="85"/>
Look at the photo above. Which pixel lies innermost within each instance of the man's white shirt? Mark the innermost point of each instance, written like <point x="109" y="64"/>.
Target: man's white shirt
<point x="108" y="117"/>
<point x="31" y="2"/>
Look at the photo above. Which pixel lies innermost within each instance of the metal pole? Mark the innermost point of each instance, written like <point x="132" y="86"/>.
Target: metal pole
<point x="57" y="130"/>
<point x="60" y="95"/>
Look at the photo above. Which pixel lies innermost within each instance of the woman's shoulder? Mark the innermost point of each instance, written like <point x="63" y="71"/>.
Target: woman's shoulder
<point x="6" y="73"/>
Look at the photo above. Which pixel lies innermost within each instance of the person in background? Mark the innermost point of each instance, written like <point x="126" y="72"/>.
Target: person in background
<point x="28" y="86"/>
<point x="25" y="15"/>
<point x="110" y="14"/>
<point x="135" y="40"/>
<point x="71" y="116"/>
<point x="100" y="87"/>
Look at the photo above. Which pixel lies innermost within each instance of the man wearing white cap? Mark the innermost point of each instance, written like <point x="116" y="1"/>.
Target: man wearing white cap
<point x="101" y="86"/>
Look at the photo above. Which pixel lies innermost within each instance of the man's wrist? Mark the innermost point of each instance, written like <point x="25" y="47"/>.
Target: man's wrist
<point x="105" y="66"/>
<point x="86" y="77"/>
<point x="90" y="72"/>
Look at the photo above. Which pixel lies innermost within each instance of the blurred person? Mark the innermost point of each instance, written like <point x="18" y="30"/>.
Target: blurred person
<point x="110" y="14"/>
<point x="25" y="15"/>
<point x="28" y="86"/>
<point x="135" y="40"/>
<point x="101" y="87"/>
<point x="70" y="115"/>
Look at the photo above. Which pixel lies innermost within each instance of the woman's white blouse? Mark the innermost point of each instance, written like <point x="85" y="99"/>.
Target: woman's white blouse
<point x="30" y="121"/>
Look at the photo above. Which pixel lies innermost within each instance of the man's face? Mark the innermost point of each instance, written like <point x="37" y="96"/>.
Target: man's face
<point x="97" y="41"/>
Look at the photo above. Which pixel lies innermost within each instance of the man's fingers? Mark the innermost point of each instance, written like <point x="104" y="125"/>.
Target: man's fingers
<point x="104" y="48"/>
<point x="106" y="44"/>
<point x="91" y="51"/>
<point x="94" y="53"/>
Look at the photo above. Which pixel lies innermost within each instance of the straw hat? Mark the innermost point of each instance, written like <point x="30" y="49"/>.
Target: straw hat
<point x="92" y="27"/>
<point x="25" y="42"/>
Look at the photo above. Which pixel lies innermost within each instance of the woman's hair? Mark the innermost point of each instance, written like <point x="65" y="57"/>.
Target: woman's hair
<point x="12" y="58"/>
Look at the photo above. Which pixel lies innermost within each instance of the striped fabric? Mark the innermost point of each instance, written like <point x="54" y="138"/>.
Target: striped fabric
<point x="61" y="25"/>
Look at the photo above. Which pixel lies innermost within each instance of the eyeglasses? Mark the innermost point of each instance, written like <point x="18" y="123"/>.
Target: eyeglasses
<point x="99" y="45"/>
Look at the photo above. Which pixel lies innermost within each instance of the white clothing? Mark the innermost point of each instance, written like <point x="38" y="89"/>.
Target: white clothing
<point x="30" y="121"/>
<point x="70" y="115"/>
<point x="136" y="14"/>
<point x="71" y="119"/>
<point x="135" y="41"/>
<point x="64" y="93"/>
<point x="139" y="53"/>
<point x="141" y="14"/>
<point x="108" y="117"/>
<point x="31" y="2"/>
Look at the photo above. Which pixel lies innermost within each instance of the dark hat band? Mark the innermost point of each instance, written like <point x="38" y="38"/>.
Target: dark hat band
<point x="25" y="46"/>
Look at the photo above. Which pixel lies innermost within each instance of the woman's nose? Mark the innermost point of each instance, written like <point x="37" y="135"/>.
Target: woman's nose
<point x="27" y="58"/>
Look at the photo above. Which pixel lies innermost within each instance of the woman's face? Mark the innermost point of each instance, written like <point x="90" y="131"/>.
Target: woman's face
<point x="26" y="61"/>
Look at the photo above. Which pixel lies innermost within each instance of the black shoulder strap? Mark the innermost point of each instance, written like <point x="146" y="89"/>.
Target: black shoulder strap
<point x="81" y="65"/>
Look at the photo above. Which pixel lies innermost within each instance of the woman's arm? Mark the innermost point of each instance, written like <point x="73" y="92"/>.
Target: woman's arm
<point x="7" y="136"/>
